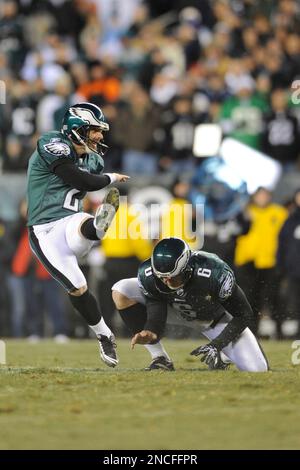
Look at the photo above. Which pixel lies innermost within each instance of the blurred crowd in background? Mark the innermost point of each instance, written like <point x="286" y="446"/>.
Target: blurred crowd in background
<point x="157" y="69"/>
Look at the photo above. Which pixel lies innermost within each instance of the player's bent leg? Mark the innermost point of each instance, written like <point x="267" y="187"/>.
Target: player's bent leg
<point x="86" y="304"/>
<point x="50" y="244"/>
<point x="126" y="300"/>
<point x="245" y="352"/>
<point x="121" y="301"/>
<point x="77" y="242"/>
<point x="128" y="289"/>
<point x="132" y="312"/>
<point x="130" y="303"/>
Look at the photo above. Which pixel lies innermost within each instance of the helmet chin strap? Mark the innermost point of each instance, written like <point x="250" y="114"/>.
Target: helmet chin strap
<point x="185" y="280"/>
<point x="175" y="288"/>
<point x="86" y="147"/>
<point x="81" y="141"/>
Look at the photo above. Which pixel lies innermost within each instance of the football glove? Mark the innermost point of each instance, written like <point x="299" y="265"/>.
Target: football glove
<point x="211" y="355"/>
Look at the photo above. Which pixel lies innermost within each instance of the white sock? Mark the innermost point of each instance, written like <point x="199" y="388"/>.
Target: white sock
<point x="101" y="328"/>
<point x="157" y="350"/>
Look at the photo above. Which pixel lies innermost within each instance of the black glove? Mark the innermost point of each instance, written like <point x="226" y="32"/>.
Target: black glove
<point x="211" y="355"/>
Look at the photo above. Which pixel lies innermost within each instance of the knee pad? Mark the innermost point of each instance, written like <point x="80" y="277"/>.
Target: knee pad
<point x="77" y="243"/>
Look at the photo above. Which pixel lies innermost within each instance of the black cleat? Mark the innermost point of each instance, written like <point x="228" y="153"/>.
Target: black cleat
<point x="108" y="350"/>
<point x="161" y="363"/>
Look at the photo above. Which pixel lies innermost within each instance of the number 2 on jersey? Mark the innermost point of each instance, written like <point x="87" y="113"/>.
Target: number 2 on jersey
<point x="72" y="200"/>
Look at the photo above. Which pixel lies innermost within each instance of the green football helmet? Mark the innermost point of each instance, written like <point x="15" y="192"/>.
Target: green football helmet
<point x="170" y="260"/>
<point x="79" y="120"/>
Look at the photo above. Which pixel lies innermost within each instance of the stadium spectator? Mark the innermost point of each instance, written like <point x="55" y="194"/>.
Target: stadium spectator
<point x="101" y="83"/>
<point x="11" y="33"/>
<point x="178" y="219"/>
<point x="281" y="138"/>
<point x="135" y="128"/>
<point x="53" y="106"/>
<point x="255" y="255"/>
<point x="178" y="125"/>
<point x="241" y="115"/>
<point x="288" y="260"/>
<point x="154" y="62"/>
<point x="7" y="249"/>
<point x="165" y="86"/>
<point x="15" y="159"/>
<point x="221" y="237"/>
<point x="23" y="116"/>
<point x="211" y="92"/>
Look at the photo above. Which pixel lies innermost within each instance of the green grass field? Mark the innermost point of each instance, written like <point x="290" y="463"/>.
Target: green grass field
<point x="62" y="397"/>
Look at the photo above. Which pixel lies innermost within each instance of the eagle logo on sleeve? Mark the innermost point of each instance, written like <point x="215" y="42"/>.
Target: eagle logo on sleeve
<point x="57" y="148"/>
<point x="227" y="286"/>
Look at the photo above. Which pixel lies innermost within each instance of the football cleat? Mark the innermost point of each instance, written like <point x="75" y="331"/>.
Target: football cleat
<point x="106" y="212"/>
<point x="161" y="363"/>
<point x="108" y="350"/>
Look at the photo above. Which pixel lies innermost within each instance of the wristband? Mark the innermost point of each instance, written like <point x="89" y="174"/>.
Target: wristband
<point x="111" y="176"/>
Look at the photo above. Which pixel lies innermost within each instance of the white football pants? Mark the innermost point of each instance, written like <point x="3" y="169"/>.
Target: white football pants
<point x="58" y="244"/>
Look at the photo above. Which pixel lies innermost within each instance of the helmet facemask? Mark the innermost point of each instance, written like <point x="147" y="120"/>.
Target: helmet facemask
<point x="82" y="137"/>
<point x="176" y="282"/>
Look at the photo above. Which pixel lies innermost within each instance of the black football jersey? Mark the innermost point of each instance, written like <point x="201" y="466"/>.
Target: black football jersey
<point x="211" y="283"/>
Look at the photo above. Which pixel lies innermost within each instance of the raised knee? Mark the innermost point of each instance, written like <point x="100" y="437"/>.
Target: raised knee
<point x="80" y="291"/>
<point x="121" y="301"/>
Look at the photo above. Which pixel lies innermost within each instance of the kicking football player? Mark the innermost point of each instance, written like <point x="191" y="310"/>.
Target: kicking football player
<point x="64" y="166"/>
<point x="199" y="286"/>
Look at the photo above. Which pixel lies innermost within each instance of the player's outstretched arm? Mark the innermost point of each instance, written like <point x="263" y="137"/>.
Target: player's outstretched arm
<point x="117" y="177"/>
<point x="84" y="181"/>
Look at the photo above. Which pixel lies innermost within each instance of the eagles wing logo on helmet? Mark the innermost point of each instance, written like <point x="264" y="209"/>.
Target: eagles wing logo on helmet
<point x="81" y="113"/>
<point x="57" y="148"/>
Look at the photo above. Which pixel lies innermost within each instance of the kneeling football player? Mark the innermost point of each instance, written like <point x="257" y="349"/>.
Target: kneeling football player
<point x="199" y="286"/>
